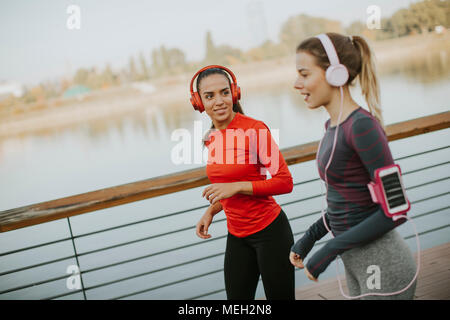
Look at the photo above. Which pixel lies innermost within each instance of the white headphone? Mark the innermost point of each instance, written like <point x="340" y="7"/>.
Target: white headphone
<point x="337" y="73"/>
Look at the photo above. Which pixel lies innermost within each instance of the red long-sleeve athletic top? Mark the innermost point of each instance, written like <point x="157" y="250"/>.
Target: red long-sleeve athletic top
<point x="244" y="151"/>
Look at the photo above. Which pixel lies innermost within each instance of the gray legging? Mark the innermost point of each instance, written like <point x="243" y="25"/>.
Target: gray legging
<point x="389" y="257"/>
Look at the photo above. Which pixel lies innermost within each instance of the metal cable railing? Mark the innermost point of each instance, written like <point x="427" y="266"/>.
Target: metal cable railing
<point x="202" y="207"/>
<point x="86" y="287"/>
<point x="184" y="263"/>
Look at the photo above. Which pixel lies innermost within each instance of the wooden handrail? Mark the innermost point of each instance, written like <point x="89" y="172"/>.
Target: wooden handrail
<point x="109" y="197"/>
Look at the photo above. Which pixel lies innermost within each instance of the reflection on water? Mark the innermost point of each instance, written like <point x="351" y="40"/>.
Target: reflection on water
<point x="428" y="67"/>
<point x="151" y="122"/>
<point x="137" y="146"/>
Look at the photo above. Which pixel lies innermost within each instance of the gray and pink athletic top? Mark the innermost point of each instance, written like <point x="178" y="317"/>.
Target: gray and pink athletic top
<point x="352" y="216"/>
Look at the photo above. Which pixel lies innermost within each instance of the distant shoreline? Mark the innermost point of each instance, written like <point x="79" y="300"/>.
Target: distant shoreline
<point x="252" y="76"/>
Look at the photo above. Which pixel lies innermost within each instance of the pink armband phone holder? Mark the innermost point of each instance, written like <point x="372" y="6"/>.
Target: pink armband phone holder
<point x="388" y="191"/>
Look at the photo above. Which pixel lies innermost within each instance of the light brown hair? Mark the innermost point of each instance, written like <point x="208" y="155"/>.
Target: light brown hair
<point x="356" y="55"/>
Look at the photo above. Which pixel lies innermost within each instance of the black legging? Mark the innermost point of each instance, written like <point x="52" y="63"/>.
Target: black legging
<point x="264" y="253"/>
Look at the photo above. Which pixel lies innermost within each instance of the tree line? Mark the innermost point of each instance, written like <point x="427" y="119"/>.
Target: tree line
<point x="419" y="17"/>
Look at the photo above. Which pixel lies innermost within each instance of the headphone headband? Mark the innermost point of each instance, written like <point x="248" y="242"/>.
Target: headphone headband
<point x="336" y="74"/>
<point x="329" y="48"/>
<point x="214" y="66"/>
<point x="196" y="100"/>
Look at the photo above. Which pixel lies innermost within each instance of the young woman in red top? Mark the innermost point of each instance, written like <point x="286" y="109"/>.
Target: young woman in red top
<point x="259" y="235"/>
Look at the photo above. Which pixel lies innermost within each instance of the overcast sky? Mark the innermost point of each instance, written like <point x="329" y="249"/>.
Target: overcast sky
<point x="37" y="45"/>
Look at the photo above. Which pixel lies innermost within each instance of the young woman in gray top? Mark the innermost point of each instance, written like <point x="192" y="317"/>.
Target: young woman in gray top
<point x="363" y="236"/>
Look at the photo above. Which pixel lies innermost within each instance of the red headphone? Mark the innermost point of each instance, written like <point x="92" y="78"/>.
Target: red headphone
<point x="195" y="97"/>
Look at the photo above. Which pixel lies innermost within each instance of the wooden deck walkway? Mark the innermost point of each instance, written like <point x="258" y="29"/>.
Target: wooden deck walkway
<point x="433" y="282"/>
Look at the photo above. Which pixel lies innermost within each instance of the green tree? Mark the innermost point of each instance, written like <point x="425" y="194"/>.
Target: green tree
<point x="167" y="61"/>
<point x="403" y="22"/>
<point x="387" y="29"/>
<point x="107" y="77"/>
<point x="357" y="28"/>
<point x="156" y="68"/>
<point x="266" y="50"/>
<point x="211" y="53"/>
<point x="429" y="14"/>
<point x="302" y="26"/>
<point x="176" y="60"/>
<point x="144" y="74"/>
<point x="81" y="76"/>
<point x="419" y="17"/>
<point x="94" y="80"/>
<point x="164" y="59"/>
<point x="132" y="72"/>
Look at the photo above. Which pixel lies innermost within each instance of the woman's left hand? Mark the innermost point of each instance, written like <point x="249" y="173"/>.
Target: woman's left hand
<point x="220" y="191"/>
<point x="310" y="276"/>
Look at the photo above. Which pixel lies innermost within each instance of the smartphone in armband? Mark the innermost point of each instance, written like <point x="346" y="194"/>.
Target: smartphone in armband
<point x="388" y="190"/>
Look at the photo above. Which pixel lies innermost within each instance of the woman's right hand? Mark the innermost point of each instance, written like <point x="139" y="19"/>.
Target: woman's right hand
<point x="203" y="225"/>
<point x="296" y="260"/>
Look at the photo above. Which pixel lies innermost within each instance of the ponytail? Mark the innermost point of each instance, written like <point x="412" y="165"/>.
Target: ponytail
<point x="368" y="78"/>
